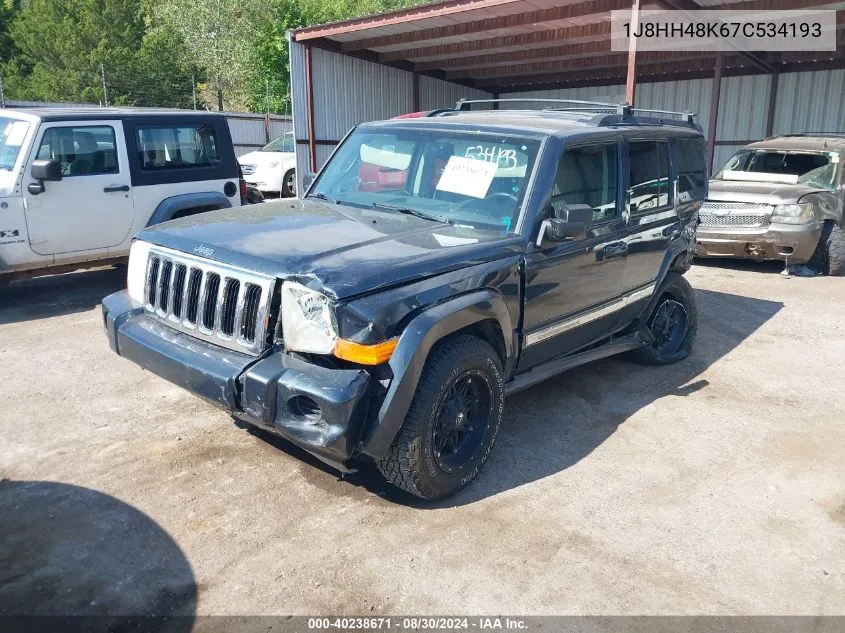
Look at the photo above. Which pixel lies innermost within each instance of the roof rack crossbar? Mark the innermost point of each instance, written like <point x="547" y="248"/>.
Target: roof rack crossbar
<point x="622" y="109"/>
<point x="463" y="102"/>
<point x="686" y="116"/>
<point x="584" y="109"/>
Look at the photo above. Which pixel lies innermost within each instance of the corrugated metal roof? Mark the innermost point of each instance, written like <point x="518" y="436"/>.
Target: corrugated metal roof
<point x="517" y="45"/>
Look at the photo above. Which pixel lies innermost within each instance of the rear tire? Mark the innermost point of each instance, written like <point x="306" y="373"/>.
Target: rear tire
<point x="672" y="322"/>
<point x="829" y="257"/>
<point x="289" y="183"/>
<point x="452" y="422"/>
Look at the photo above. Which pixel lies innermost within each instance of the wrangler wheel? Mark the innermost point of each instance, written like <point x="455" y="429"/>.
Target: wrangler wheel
<point x="452" y="422"/>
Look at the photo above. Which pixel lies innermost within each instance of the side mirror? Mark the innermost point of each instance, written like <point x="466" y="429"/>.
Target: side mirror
<point x="566" y="223"/>
<point x="46" y="170"/>
<point x="307" y="179"/>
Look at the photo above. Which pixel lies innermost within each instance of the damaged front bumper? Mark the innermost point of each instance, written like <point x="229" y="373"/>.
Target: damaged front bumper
<point x="321" y="410"/>
<point x="775" y="241"/>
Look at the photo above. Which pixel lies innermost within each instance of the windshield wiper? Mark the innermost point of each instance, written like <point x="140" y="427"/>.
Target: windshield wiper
<point x="420" y="214"/>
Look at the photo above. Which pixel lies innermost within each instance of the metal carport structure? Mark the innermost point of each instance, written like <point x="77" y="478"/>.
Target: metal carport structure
<point x="429" y="56"/>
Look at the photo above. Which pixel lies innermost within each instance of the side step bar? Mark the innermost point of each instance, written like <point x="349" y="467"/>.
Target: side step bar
<point x="559" y="365"/>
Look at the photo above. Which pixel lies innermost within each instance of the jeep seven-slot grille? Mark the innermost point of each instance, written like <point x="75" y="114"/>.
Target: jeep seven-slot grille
<point x="215" y="302"/>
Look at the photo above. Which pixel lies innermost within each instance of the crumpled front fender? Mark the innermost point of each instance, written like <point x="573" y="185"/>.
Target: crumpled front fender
<point x="414" y="346"/>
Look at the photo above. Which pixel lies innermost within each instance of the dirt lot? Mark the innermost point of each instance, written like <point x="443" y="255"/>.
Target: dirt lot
<point x="713" y="486"/>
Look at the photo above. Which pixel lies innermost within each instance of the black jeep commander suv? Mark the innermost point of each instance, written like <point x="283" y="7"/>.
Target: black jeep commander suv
<point x="434" y="266"/>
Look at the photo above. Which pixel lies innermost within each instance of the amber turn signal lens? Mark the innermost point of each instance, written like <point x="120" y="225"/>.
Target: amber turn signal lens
<point x="365" y="354"/>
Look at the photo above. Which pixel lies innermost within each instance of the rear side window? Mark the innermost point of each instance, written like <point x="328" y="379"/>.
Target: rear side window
<point x="688" y="157"/>
<point x="648" y="184"/>
<point x="181" y="147"/>
<point x="81" y="150"/>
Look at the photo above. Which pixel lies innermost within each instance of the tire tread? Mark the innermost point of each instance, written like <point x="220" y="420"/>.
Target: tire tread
<point x="401" y="465"/>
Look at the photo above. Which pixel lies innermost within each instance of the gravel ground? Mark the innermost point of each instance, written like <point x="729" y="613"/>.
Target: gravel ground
<point x="715" y="486"/>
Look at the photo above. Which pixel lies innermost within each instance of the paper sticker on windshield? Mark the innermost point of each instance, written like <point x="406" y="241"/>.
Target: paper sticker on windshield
<point x="16" y="132"/>
<point x="467" y="177"/>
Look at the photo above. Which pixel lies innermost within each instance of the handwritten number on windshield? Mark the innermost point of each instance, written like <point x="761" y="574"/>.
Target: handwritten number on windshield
<point x="499" y="155"/>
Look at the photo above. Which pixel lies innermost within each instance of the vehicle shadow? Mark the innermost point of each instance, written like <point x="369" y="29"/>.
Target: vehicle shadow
<point x="766" y="267"/>
<point x="72" y="551"/>
<point x="57" y="295"/>
<point x="550" y="427"/>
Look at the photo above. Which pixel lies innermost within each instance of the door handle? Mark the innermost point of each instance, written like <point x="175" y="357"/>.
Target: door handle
<point x="617" y="249"/>
<point x="113" y="188"/>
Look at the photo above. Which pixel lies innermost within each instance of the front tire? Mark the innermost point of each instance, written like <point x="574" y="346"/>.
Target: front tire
<point x="829" y="257"/>
<point x="672" y="323"/>
<point x="289" y="183"/>
<point x="452" y="422"/>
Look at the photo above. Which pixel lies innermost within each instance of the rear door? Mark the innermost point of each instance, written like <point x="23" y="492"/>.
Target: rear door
<point x="571" y="287"/>
<point x="90" y="208"/>
<point x="652" y="221"/>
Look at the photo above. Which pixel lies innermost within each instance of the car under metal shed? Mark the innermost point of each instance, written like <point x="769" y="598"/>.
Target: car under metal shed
<point x="429" y="56"/>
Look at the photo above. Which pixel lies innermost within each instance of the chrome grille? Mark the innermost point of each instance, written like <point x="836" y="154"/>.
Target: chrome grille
<point x="732" y="220"/>
<point x="734" y="214"/>
<point x="218" y="303"/>
<point x="716" y="205"/>
<point x="247" y="170"/>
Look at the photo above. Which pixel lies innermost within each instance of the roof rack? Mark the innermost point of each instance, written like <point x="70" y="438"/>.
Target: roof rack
<point x="622" y="109"/>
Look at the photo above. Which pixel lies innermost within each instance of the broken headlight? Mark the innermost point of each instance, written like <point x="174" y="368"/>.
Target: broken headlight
<point x="307" y="320"/>
<point x="793" y="213"/>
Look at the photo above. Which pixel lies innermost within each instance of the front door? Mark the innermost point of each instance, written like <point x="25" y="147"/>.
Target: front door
<point x="90" y="208"/>
<point x="571" y="286"/>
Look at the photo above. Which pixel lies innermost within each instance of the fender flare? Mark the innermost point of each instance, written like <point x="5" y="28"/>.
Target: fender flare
<point x="412" y="351"/>
<point x="169" y="207"/>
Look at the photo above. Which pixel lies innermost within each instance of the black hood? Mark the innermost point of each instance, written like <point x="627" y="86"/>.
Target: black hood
<point x="341" y="250"/>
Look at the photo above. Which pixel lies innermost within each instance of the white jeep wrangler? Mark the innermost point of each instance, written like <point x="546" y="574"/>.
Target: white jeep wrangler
<point x="77" y="184"/>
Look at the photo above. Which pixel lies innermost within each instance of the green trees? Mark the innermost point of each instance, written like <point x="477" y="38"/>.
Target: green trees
<point x="66" y="50"/>
<point x="153" y="52"/>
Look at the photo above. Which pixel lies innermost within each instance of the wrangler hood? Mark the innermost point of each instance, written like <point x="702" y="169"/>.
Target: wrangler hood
<point x="340" y="250"/>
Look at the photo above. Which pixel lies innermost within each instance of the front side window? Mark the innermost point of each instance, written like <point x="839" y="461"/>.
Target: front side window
<point x="815" y="168"/>
<point x="468" y="178"/>
<point x="181" y="147"/>
<point x="12" y="134"/>
<point x="648" y="184"/>
<point x="81" y="150"/>
<point x="587" y="175"/>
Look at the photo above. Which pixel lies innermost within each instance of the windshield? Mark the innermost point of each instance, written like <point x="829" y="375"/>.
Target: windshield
<point x="818" y="169"/>
<point x="12" y="135"/>
<point x="466" y="178"/>
<point x="282" y="144"/>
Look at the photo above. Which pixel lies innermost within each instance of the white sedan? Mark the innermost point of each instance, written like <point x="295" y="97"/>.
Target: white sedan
<point x="273" y="167"/>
